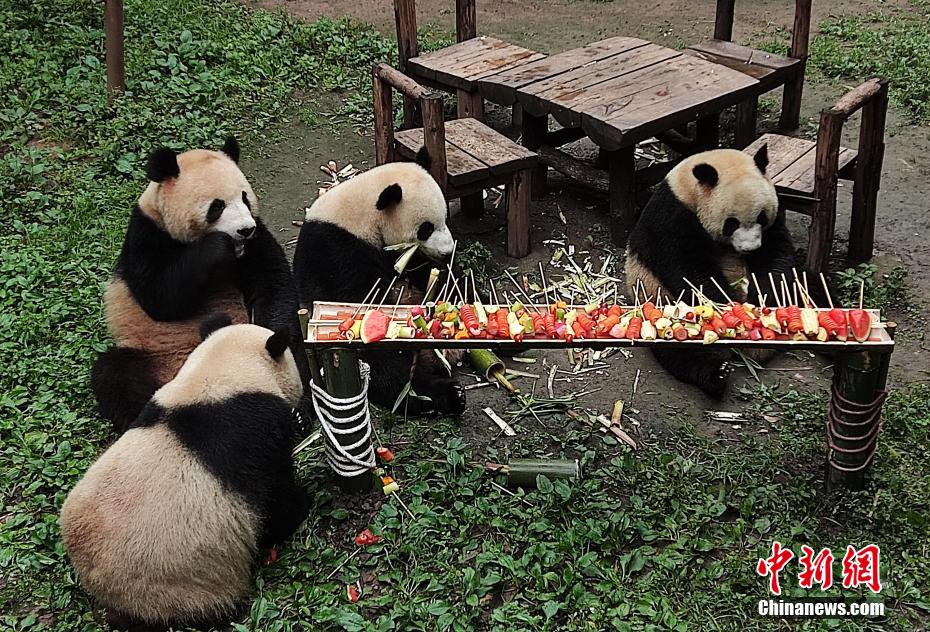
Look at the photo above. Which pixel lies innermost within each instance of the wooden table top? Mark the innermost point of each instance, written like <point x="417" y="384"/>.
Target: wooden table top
<point x="620" y="90"/>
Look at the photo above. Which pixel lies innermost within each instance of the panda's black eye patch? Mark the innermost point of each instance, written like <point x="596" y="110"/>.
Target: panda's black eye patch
<point x="762" y="219"/>
<point x="425" y="230"/>
<point x="730" y="226"/>
<point x="245" y="200"/>
<point x="216" y="209"/>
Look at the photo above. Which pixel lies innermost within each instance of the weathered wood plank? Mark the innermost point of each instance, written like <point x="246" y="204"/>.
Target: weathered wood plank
<point x="501" y="87"/>
<point x="868" y="175"/>
<point x="465" y="20"/>
<point x="570" y="107"/>
<point x="499" y="153"/>
<point x="694" y="89"/>
<point x="456" y="65"/>
<point x="783" y="151"/>
<point x="743" y="54"/>
<point x="518" y="214"/>
<point x="461" y="167"/>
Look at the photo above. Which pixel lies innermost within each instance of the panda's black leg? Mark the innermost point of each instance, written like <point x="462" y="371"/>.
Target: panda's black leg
<point x="431" y="379"/>
<point x="707" y="369"/>
<point x="123" y="381"/>
<point x="288" y="510"/>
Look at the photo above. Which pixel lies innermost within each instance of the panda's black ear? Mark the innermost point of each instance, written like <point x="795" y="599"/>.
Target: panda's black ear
<point x="705" y="174"/>
<point x="231" y="148"/>
<point x="277" y="343"/>
<point x="762" y="157"/>
<point x="162" y="165"/>
<point x="424" y="159"/>
<point x="213" y="322"/>
<point x="391" y="196"/>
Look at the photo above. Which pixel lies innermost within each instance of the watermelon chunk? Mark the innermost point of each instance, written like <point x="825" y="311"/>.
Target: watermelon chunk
<point x="860" y="324"/>
<point x="374" y="326"/>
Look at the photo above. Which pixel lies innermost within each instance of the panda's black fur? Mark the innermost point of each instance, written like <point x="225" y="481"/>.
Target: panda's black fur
<point x="669" y="243"/>
<point x="215" y="444"/>
<point x="340" y="255"/>
<point x="172" y="284"/>
<point x="332" y="264"/>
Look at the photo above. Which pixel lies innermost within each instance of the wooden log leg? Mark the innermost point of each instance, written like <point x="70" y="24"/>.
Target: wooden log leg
<point x="470" y="105"/>
<point x="746" y="115"/>
<point x="113" y="28"/>
<point x="868" y="177"/>
<point x="303" y="316"/>
<point x="473" y="204"/>
<point x="518" y="214"/>
<point x="790" y="117"/>
<point x="535" y="129"/>
<point x="854" y="415"/>
<point x="343" y="379"/>
<point x="707" y="132"/>
<point x="622" y="193"/>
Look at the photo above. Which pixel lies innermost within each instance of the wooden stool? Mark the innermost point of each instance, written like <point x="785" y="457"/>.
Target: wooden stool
<point x="458" y="68"/>
<point x="805" y="173"/>
<point x="770" y="69"/>
<point x="467" y="155"/>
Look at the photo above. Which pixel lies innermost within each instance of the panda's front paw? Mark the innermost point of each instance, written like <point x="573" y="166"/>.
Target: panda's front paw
<point x="714" y="378"/>
<point x="449" y="397"/>
<point x="219" y="248"/>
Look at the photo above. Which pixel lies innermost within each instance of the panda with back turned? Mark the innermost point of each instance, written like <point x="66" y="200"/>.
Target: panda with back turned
<point x="194" y="246"/>
<point x="167" y="526"/>
<point x="715" y="216"/>
<point x="341" y="253"/>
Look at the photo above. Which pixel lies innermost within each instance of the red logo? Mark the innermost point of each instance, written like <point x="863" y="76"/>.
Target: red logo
<point x="860" y="567"/>
<point x="772" y="565"/>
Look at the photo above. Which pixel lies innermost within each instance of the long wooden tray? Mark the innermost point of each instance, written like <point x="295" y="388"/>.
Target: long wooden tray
<point x="323" y="321"/>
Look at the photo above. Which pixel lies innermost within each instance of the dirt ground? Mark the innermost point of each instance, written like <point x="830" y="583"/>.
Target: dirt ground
<point x="287" y="175"/>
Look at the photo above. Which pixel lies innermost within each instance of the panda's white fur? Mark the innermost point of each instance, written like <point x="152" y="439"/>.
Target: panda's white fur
<point x="350" y="206"/>
<point x="154" y="534"/>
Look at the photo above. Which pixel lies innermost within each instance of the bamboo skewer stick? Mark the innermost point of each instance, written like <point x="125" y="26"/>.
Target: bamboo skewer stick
<point x="372" y="291"/>
<point x="529" y="301"/>
<point x="386" y="292"/>
<point x="826" y="290"/>
<point x="861" y="292"/>
<point x="775" y="296"/>
<point x="755" y="282"/>
<point x="722" y="291"/>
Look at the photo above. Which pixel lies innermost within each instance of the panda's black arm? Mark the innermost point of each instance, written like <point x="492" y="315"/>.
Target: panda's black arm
<point x="670" y="241"/>
<point x="264" y="277"/>
<point x="170" y="279"/>
<point x="776" y="255"/>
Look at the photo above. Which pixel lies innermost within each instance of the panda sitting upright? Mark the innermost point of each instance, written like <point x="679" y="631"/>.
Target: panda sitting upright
<point x="168" y="525"/>
<point x="193" y="246"/>
<point x="715" y="216"/>
<point x="340" y="255"/>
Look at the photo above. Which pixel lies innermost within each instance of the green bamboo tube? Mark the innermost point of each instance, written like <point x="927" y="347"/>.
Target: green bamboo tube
<point x="303" y="315"/>
<point x="490" y="366"/>
<point x="523" y="472"/>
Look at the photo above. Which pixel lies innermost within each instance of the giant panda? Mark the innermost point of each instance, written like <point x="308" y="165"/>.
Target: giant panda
<point x="340" y="254"/>
<point x="166" y="527"/>
<point x="715" y="215"/>
<point x="194" y="245"/>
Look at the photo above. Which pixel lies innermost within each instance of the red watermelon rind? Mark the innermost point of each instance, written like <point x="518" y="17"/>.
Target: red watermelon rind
<point x="860" y="324"/>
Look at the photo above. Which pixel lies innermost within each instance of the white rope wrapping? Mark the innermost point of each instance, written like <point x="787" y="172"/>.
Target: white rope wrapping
<point x="340" y="457"/>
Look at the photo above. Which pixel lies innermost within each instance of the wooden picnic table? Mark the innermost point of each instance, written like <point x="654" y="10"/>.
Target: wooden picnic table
<point x="618" y="92"/>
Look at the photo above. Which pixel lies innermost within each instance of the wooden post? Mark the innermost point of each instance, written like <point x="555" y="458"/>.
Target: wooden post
<point x="535" y="129"/>
<point x="518" y="214"/>
<point x="823" y="217"/>
<point x="405" y="18"/>
<point x="384" y="119"/>
<point x="794" y="88"/>
<point x="343" y="379"/>
<point x="868" y="176"/>
<point x="746" y="114"/>
<point x="303" y="315"/>
<point x="622" y="193"/>
<point x="465" y="20"/>
<point x="855" y="414"/>
<point x="434" y="137"/>
<point x="723" y="20"/>
<point x="113" y="27"/>
<point x="707" y="132"/>
<point x="469" y="105"/>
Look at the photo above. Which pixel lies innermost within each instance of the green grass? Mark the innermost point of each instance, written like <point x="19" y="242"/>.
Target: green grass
<point x="893" y="42"/>
<point x="663" y="538"/>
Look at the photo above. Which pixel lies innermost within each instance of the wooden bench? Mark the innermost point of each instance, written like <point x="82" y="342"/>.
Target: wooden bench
<point x="805" y="172"/>
<point x="456" y="68"/>
<point x="769" y="69"/>
<point x="467" y="155"/>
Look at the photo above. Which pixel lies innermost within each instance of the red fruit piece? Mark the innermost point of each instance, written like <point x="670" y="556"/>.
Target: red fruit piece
<point x="385" y="454"/>
<point x="352" y="593"/>
<point x="366" y="537"/>
<point x="860" y="324"/>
